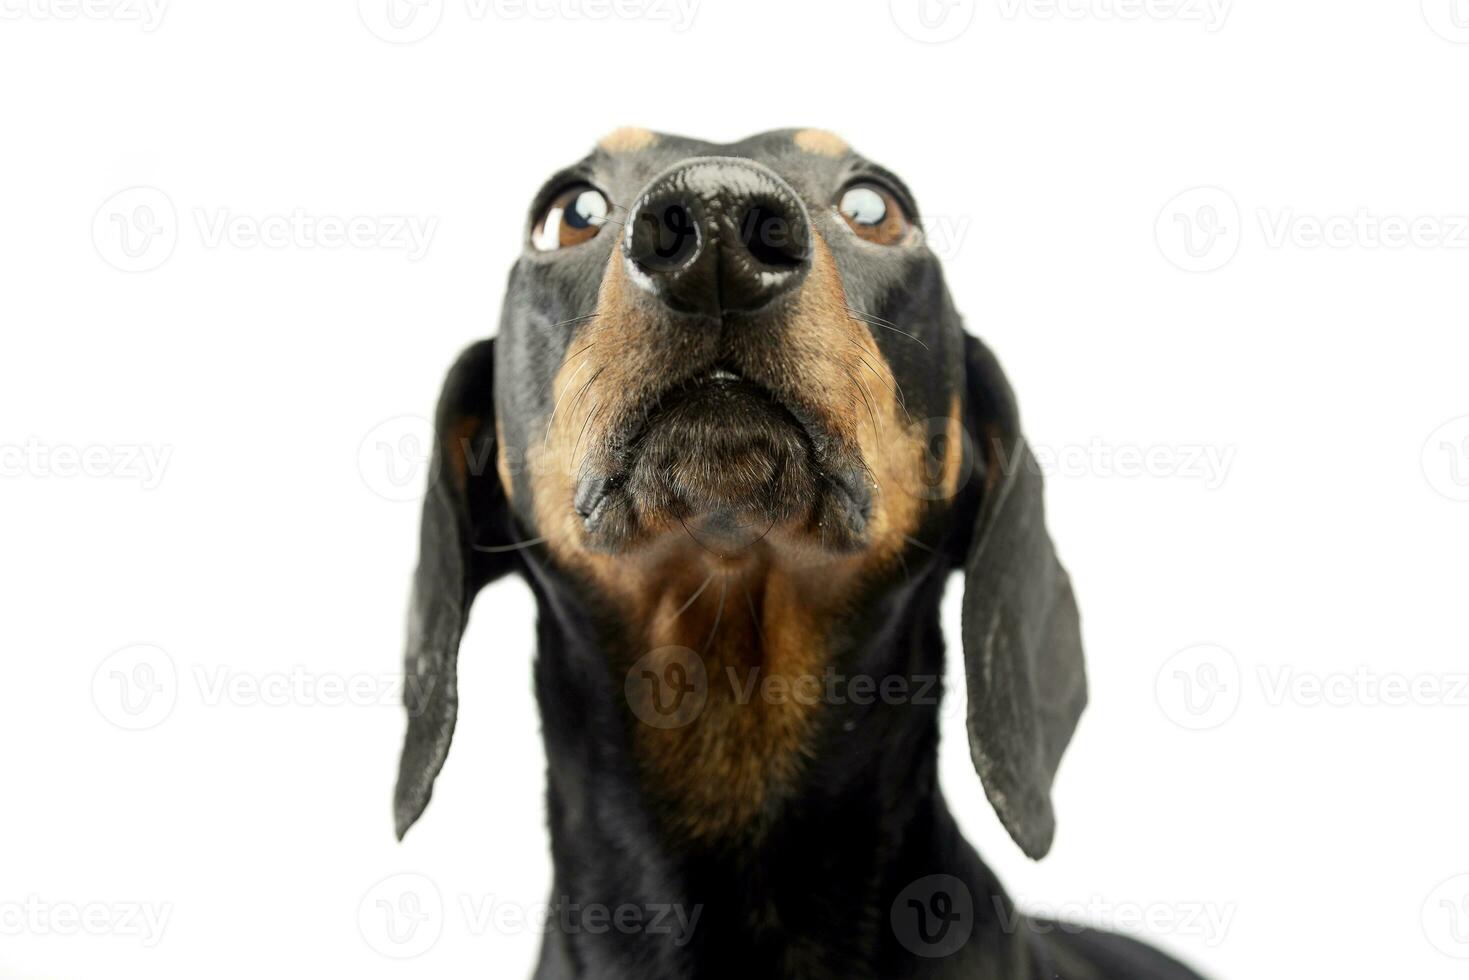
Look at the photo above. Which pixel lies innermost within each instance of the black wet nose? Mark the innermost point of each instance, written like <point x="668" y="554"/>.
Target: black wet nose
<point x="718" y="235"/>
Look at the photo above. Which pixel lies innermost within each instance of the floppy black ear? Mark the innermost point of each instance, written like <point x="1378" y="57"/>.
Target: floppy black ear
<point x="1022" y="637"/>
<point x="465" y="543"/>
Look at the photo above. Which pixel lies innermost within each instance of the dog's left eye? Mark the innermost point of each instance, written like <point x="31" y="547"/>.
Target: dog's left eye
<point x="874" y="213"/>
<point x="574" y="215"/>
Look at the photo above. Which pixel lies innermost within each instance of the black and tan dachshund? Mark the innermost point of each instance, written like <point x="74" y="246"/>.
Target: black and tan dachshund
<point x="734" y="436"/>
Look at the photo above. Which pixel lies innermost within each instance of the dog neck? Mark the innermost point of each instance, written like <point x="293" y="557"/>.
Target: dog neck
<point x="790" y="797"/>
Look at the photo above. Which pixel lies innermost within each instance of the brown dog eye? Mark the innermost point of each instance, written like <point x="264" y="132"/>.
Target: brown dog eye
<point x="573" y="216"/>
<point x="874" y="213"/>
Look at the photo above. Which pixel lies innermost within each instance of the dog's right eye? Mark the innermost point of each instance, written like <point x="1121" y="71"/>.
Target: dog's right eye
<point x="874" y="213"/>
<point x="574" y="215"/>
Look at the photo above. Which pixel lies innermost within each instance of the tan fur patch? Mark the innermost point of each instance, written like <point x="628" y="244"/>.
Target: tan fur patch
<point x="457" y="442"/>
<point x="954" y="449"/>
<point x="628" y="139"/>
<point x="821" y="143"/>
<point x="764" y="614"/>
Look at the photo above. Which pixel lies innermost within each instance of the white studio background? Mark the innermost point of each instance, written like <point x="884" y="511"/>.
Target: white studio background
<point x="1221" y="247"/>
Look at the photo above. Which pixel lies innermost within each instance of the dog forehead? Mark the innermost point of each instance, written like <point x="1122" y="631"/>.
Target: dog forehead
<point x="810" y="159"/>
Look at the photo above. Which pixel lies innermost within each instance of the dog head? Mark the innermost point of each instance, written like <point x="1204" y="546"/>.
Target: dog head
<point x="740" y="363"/>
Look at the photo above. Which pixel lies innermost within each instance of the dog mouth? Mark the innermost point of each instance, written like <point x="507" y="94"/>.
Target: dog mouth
<point x="726" y="460"/>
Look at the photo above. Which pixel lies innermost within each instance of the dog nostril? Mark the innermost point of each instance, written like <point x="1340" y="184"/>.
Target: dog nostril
<point x="664" y="239"/>
<point x="772" y="238"/>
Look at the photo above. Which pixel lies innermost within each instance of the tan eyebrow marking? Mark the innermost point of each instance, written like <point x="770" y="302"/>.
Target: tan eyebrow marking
<point x="628" y="139"/>
<point x="821" y="142"/>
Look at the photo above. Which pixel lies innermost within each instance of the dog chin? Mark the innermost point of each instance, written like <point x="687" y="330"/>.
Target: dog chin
<point x="726" y="465"/>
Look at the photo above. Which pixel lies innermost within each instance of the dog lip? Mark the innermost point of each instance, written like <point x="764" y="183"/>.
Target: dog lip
<point x="722" y="376"/>
<point x="600" y="496"/>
